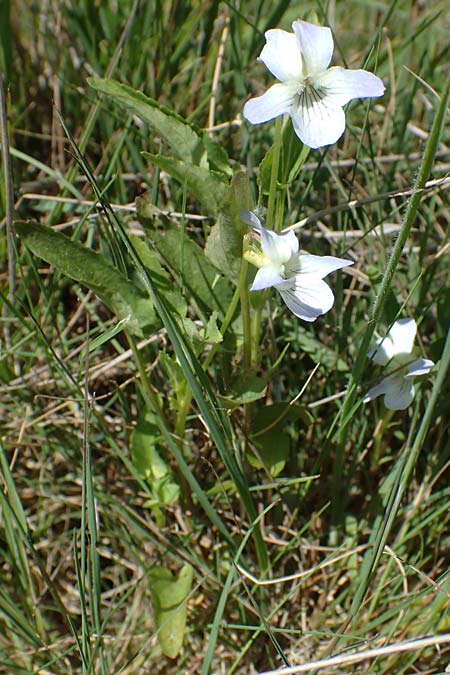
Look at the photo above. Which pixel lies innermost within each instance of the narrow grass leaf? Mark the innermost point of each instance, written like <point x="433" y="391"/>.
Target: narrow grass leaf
<point x="14" y="616"/>
<point x="13" y="517"/>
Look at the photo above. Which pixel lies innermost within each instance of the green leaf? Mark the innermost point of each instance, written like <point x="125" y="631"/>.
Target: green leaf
<point x="168" y="492"/>
<point x="159" y="276"/>
<point x="272" y="452"/>
<point x="169" y="600"/>
<point x="206" y="187"/>
<point x="182" y="139"/>
<point x="217" y="157"/>
<point x="147" y="212"/>
<point x="224" y="244"/>
<point x="130" y="304"/>
<point x="246" y="389"/>
<point x="143" y="443"/>
<point x="270" y="438"/>
<point x="198" y="275"/>
<point x="212" y="332"/>
<point x="150" y="465"/>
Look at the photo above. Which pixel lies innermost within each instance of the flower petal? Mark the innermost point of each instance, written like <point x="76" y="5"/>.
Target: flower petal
<point x="342" y="85"/>
<point x="399" y="394"/>
<point x="316" y="45"/>
<point x="382" y="353"/>
<point x="307" y="300"/>
<point x="317" y="121"/>
<point x="377" y="390"/>
<point x="399" y="340"/>
<point x="276" y="101"/>
<point x="419" y="367"/>
<point x="282" y="56"/>
<point x="265" y="278"/>
<point x="402" y="334"/>
<point x="321" y="265"/>
<point x="278" y="247"/>
<point x="251" y="220"/>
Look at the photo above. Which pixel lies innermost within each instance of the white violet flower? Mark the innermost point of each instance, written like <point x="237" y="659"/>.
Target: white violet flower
<point x="395" y="350"/>
<point x="309" y="91"/>
<point x="297" y="276"/>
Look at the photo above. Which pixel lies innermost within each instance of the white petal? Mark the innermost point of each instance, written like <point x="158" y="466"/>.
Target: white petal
<point x="419" y="367"/>
<point x="383" y="352"/>
<point x="321" y="265"/>
<point x="251" y="220"/>
<point x="317" y="121"/>
<point x="342" y="85"/>
<point x="292" y="239"/>
<point x="276" y="101"/>
<point x="316" y="45"/>
<point x="265" y="278"/>
<point x="277" y="247"/>
<point x="399" y="395"/>
<point x="402" y="334"/>
<point x="282" y="56"/>
<point x="378" y="390"/>
<point x="399" y="340"/>
<point x="398" y="392"/>
<point x="308" y="300"/>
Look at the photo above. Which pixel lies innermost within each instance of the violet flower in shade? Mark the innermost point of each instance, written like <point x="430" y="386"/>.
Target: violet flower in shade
<point x="296" y="275"/>
<point x="308" y="90"/>
<point x="394" y="351"/>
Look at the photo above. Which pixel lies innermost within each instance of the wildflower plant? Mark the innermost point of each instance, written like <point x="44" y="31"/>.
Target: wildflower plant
<point x="222" y="413"/>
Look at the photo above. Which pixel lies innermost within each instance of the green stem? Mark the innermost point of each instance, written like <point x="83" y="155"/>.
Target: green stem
<point x="187" y="399"/>
<point x="256" y="335"/>
<point x="246" y="322"/>
<point x="274" y="171"/>
<point x="240" y="288"/>
<point x="375" y="454"/>
<point x="150" y="394"/>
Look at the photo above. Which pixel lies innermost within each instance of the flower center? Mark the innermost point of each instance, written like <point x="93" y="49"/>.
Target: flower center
<point x="290" y="268"/>
<point x="309" y="94"/>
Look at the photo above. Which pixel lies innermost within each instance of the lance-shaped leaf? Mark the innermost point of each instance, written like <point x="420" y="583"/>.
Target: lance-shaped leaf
<point x="169" y="600"/>
<point x="224" y="245"/>
<point x="206" y="186"/>
<point x="197" y="273"/>
<point x="127" y="301"/>
<point x="160" y="278"/>
<point x="183" y="141"/>
<point x="186" y="142"/>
